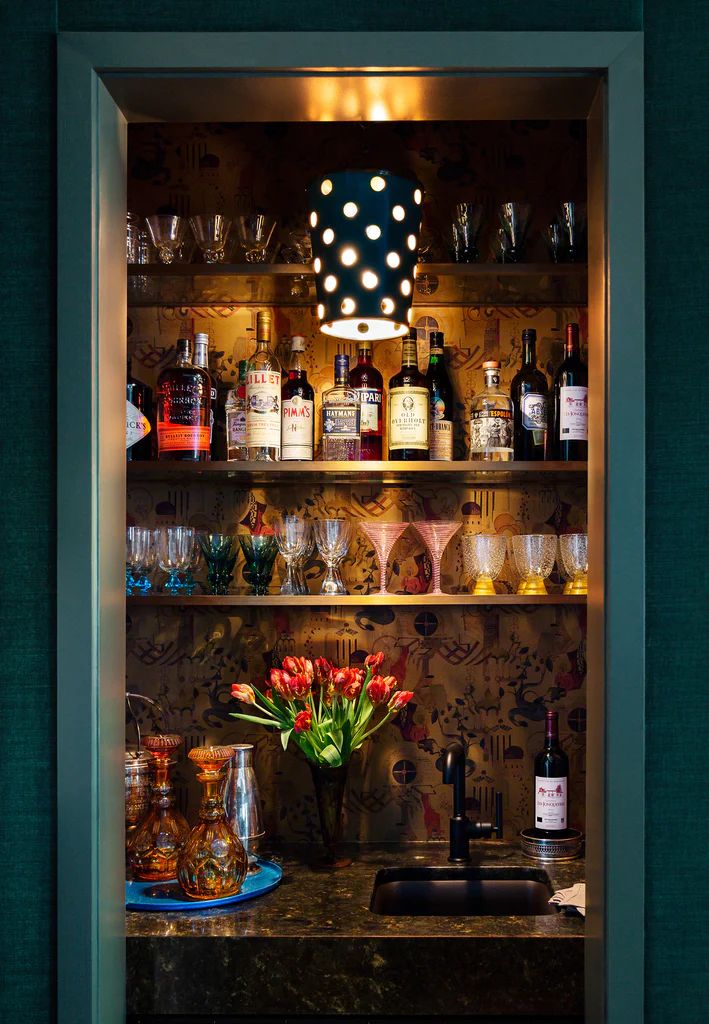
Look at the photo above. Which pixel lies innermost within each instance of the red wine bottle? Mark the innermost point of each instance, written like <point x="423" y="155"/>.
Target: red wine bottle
<point x="551" y="781"/>
<point x="571" y="402"/>
<point x="529" y="392"/>
<point x="368" y="382"/>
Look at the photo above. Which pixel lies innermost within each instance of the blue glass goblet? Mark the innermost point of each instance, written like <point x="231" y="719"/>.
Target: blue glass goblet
<point x="140" y="558"/>
<point x="260" y="550"/>
<point x="219" y="554"/>
<point x="175" y="554"/>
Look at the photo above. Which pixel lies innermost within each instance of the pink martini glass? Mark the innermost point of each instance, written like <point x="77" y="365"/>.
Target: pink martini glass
<point x="383" y="536"/>
<point x="436" y="536"/>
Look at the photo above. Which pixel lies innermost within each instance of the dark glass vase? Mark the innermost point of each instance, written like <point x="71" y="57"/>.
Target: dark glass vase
<point x="329" y="793"/>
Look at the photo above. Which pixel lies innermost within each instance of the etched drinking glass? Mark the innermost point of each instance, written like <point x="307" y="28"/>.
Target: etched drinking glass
<point x="514" y="218"/>
<point x="140" y="558"/>
<point x="332" y="537"/>
<point x="383" y="536"/>
<point x="175" y="553"/>
<point x="167" y="231"/>
<point x="210" y="234"/>
<point x="292" y="537"/>
<point x="534" y="555"/>
<point x="483" y="558"/>
<point x="436" y="536"/>
<point x="574" y="557"/>
<point x="255" y="231"/>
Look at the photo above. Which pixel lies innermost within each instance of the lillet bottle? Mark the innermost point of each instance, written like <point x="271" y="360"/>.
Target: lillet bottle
<point x="408" y="407"/>
<point x="263" y="396"/>
<point x="530" y="395"/>
<point x="184" y="409"/>
<point x="551" y="781"/>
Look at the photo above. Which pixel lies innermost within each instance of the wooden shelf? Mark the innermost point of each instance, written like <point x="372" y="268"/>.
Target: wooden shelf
<point x="293" y="284"/>
<point x="349" y="600"/>
<point x="356" y="473"/>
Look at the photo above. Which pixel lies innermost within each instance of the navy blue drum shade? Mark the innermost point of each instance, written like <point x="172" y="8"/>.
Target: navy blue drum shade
<point x="365" y="228"/>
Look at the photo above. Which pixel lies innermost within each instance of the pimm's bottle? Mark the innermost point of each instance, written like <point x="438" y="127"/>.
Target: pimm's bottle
<point x="297" y="408"/>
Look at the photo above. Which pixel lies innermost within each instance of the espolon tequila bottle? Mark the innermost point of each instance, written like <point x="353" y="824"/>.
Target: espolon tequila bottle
<point x="491" y="419"/>
<point x="263" y="396"/>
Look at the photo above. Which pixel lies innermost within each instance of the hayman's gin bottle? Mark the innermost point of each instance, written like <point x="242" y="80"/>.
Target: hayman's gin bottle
<point x="340" y="417"/>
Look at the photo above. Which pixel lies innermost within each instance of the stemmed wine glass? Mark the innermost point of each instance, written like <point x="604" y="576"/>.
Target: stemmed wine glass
<point x="534" y="555"/>
<point x="383" y="536"/>
<point x="167" y="231"/>
<point x="483" y="558"/>
<point x="175" y="553"/>
<point x="301" y="560"/>
<point x="574" y="556"/>
<point x="573" y="225"/>
<point x="260" y="550"/>
<point x="293" y="537"/>
<point x="140" y="558"/>
<point x="255" y="231"/>
<point x="332" y="537"/>
<point x="436" y="536"/>
<point x="514" y="218"/>
<point x="464" y="231"/>
<point x="211" y="233"/>
<point x="219" y="551"/>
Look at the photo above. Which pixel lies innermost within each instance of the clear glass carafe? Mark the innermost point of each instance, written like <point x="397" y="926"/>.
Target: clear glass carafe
<point x="156" y="842"/>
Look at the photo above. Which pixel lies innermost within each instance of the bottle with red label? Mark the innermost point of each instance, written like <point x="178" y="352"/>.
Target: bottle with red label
<point x="571" y="402"/>
<point x="184" y="409"/>
<point x="297" y="408"/>
<point x="368" y="382"/>
<point x="551" y="783"/>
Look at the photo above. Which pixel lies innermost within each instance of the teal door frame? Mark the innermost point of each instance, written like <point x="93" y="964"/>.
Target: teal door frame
<point x="91" y="474"/>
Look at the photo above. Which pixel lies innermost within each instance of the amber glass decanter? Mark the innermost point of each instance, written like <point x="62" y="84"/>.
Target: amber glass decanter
<point x="213" y="862"/>
<point x="158" y="839"/>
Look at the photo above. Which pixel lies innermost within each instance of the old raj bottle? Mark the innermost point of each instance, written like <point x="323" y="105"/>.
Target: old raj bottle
<point x="263" y="396"/>
<point x="213" y="861"/>
<point x="297" y="408"/>
<point x="491" y="419"/>
<point x="156" y="842"/>
<point x="184" y="409"/>
<point x="441" y="402"/>
<point x="530" y="393"/>
<point x="408" y="407"/>
<point x="340" y="416"/>
<point x="367" y="381"/>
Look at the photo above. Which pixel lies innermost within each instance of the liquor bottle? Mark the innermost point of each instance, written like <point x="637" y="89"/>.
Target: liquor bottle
<point x="571" y="402"/>
<point x="440" y="402"/>
<point x="139" y="416"/>
<point x="263" y="396"/>
<point x="340" y="417"/>
<point x="551" y="779"/>
<point x="408" y="407"/>
<point x="297" y="408"/>
<point x="201" y="358"/>
<point x="235" y="414"/>
<point x="184" y="408"/>
<point x="491" y="419"/>
<point x="367" y="381"/>
<point x="530" y="396"/>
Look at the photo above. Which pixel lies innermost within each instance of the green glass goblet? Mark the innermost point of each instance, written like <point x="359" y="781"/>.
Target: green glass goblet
<point x="219" y="552"/>
<point x="260" y="550"/>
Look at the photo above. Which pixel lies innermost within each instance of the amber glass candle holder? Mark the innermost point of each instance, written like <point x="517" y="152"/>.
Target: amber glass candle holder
<point x="156" y="842"/>
<point x="213" y="862"/>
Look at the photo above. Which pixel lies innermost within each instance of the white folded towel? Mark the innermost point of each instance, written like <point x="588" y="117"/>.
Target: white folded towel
<point x="575" y="897"/>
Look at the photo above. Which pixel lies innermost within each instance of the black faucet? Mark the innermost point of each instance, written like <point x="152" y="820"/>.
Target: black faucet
<point x="462" y="830"/>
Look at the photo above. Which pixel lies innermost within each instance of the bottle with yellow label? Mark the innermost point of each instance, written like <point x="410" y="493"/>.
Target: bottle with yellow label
<point x="408" y="407"/>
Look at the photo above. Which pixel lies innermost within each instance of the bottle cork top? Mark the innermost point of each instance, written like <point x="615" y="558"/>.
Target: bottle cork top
<point x="297" y="343"/>
<point x="491" y="364"/>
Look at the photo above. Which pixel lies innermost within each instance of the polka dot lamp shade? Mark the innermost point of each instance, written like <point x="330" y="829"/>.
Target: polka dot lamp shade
<point x="365" y="227"/>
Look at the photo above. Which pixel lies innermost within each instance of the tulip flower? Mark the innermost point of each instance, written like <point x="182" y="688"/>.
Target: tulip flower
<point x="352" y="688"/>
<point x="280" y="681"/>
<point x="379" y="689"/>
<point x="303" y="721"/>
<point x="323" y="670"/>
<point x="298" y="666"/>
<point x="243" y="692"/>
<point x="299" y="686"/>
<point x="374" y="661"/>
<point x="400" y="700"/>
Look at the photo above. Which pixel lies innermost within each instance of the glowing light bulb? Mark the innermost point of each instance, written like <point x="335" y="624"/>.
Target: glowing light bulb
<point x="348" y="306"/>
<point x="370" y="279"/>
<point x="387" y="306"/>
<point x="405" y="287"/>
<point x="350" y="210"/>
<point x="326" y="187"/>
<point x="373" y="231"/>
<point x="398" y="212"/>
<point x="328" y="236"/>
<point x="411" y="242"/>
<point x="393" y="260"/>
<point x="349" y="256"/>
<point x="330" y="283"/>
<point x="313" y="219"/>
<point x="378" y="184"/>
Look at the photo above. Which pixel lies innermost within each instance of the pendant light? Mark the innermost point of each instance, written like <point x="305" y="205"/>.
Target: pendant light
<point x="364" y="227"/>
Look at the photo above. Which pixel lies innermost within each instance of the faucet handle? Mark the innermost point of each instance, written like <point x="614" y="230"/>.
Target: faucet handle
<point x="498" y="827"/>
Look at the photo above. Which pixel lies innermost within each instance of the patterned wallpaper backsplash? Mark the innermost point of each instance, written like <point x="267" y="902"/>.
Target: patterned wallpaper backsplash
<point x="484" y="676"/>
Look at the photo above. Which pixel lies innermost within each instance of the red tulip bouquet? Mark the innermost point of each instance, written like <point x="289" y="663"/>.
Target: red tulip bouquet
<point x="328" y="712"/>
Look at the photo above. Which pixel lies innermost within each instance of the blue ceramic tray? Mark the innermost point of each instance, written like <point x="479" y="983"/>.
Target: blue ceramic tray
<point x="164" y="896"/>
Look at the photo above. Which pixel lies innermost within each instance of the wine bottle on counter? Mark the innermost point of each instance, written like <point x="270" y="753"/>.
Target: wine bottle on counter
<point x="184" y="409"/>
<point x="491" y="419"/>
<point x="551" y="780"/>
<point x="440" y="402"/>
<point x="139" y="419"/>
<point x="297" y="408"/>
<point x="263" y="396"/>
<point x="571" y="402"/>
<point x="367" y="381"/>
<point x="408" y="407"/>
<point x="201" y="359"/>
<point x="530" y="395"/>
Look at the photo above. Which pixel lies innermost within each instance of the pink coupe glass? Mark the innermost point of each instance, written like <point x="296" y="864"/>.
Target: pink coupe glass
<point x="436" y="536"/>
<point x="383" y="536"/>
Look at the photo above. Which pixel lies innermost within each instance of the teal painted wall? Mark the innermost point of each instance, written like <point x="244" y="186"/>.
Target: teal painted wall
<point x="677" y="157"/>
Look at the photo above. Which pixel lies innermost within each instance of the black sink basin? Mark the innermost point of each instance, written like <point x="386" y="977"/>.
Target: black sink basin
<point x="461" y="892"/>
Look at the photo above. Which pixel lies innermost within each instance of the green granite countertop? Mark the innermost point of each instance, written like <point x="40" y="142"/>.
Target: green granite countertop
<point x="313" y="946"/>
